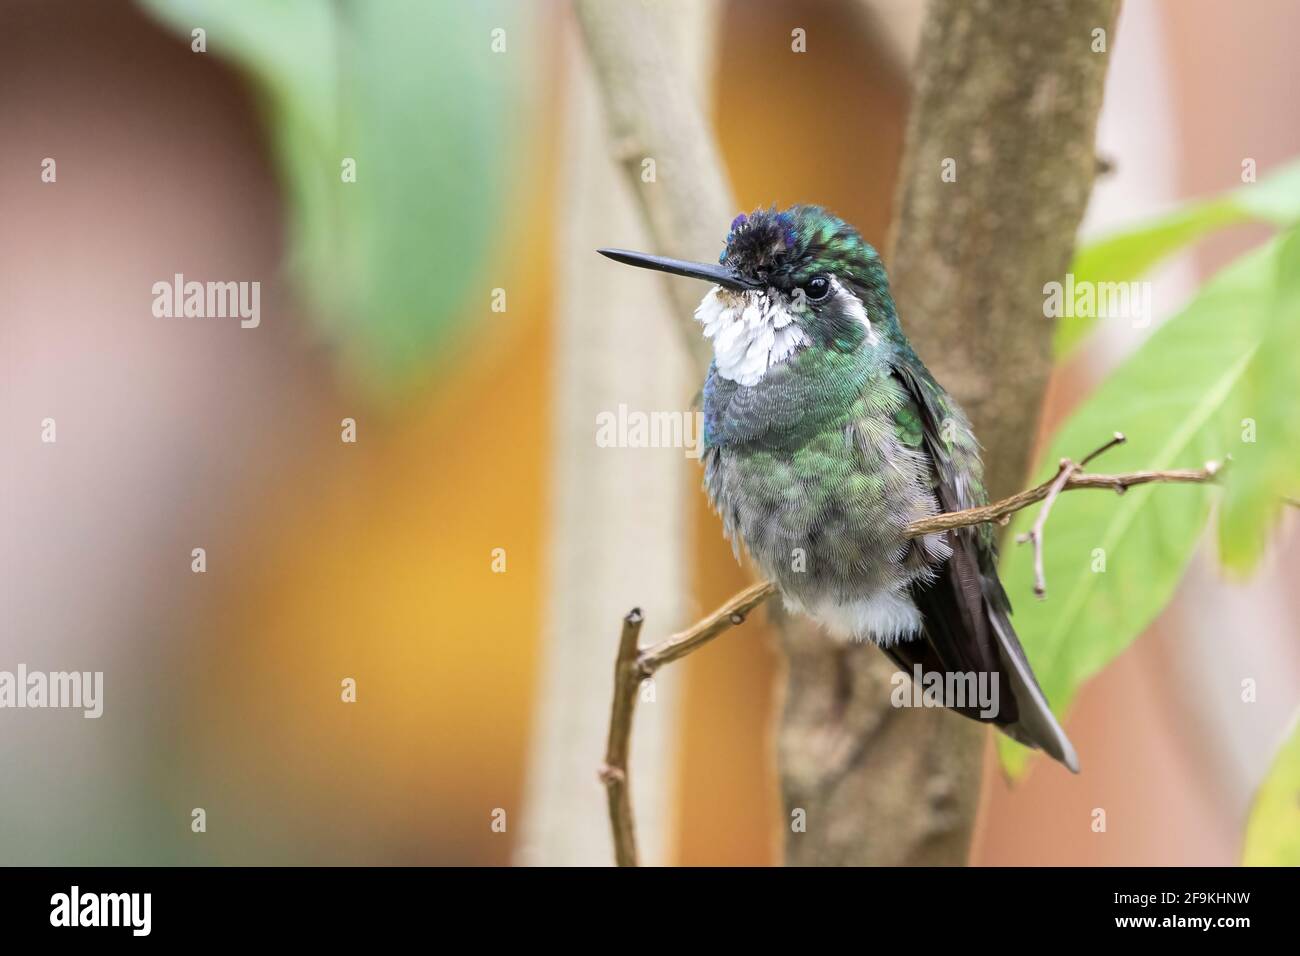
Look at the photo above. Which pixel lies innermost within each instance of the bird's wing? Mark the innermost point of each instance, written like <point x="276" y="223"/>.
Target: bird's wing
<point x="966" y="610"/>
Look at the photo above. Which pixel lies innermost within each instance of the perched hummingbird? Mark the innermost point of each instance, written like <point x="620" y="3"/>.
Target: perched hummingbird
<point x="825" y="435"/>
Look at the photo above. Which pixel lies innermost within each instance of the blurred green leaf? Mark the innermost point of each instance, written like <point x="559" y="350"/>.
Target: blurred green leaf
<point x="1275" y="198"/>
<point x="1129" y="254"/>
<point x="1266" y="457"/>
<point x="412" y="91"/>
<point x="1273" y="831"/>
<point x="1178" y="401"/>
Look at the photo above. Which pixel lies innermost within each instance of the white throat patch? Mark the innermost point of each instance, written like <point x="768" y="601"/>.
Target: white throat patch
<point x="751" y="332"/>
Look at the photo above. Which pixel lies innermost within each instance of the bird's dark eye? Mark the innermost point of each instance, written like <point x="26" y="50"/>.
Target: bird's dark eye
<point x="817" y="288"/>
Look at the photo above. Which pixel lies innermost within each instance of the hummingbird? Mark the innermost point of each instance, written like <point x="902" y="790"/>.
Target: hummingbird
<point x="825" y="435"/>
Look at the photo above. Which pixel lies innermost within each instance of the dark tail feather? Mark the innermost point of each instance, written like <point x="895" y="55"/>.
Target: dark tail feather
<point x="966" y="631"/>
<point x="1037" y="725"/>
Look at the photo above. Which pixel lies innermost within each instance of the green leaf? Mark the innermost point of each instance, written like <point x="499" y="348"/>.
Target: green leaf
<point x="1275" y="198"/>
<point x="1273" y="830"/>
<point x="1266" y="457"/>
<point x="1127" y="255"/>
<point x="412" y="91"/>
<point x="1112" y="562"/>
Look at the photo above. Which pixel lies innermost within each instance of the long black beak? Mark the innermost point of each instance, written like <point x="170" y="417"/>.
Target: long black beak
<point x="719" y="275"/>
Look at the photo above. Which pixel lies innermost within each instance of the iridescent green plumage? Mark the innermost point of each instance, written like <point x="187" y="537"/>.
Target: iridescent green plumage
<point x="825" y="436"/>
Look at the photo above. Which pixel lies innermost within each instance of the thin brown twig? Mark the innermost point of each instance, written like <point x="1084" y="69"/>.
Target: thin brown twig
<point x="630" y="669"/>
<point x="691" y="639"/>
<point x="633" y="665"/>
<point x="1035" y="533"/>
<point x="1067" y="468"/>
<point x="613" y="773"/>
<point x="1003" y="509"/>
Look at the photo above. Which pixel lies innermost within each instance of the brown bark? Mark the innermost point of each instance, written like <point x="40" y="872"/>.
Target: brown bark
<point x="1011" y="92"/>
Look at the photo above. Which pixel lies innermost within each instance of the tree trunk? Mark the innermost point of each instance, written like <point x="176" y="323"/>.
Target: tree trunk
<point x="1006" y="102"/>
